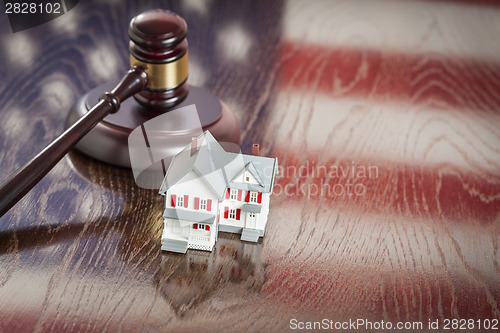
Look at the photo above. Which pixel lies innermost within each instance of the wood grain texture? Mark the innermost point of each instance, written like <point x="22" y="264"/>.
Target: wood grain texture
<point x="384" y="118"/>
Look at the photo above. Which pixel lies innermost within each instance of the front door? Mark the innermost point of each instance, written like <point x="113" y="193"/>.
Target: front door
<point x="251" y="221"/>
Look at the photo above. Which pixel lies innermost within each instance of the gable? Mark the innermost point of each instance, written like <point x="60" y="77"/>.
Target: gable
<point x="248" y="175"/>
<point x="263" y="170"/>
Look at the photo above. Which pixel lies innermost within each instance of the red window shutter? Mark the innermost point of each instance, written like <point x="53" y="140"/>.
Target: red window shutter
<point x="239" y="195"/>
<point x="209" y="204"/>
<point x="207" y="228"/>
<point x="247" y="197"/>
<point x="196" y="203"/>
<point x="227" y="193"/>
<point x="238" y="213"/>
<point x="195" y="225"/>
<point x="259" y="198"/>
<point x="186" y="198"/>
<point x="226" y="212"/>
<point x="174" y="200"/>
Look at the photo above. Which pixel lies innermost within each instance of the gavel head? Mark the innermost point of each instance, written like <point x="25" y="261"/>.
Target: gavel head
<point x="158" y="44"/>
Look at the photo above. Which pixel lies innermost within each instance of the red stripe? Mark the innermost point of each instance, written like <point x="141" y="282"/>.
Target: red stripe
<point x="186" y="200"/>
<point x="445" y="191"/>
<point x="431" y="79"/>
<point x="247" y="196"/>
<point x="326" y="288"/>
<point x="209" y="204"/>
<point x="226" y="212"/>
<point x="196" y="203"/>
<point x="259" y="198"/>
<point x="227" y="193"/>
<point x="238" y="213"/>
<point x="239" y="195"/>
<point x="174" y="199"/>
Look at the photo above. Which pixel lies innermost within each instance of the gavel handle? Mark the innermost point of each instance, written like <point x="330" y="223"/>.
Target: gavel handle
<point x="27" y="176"/>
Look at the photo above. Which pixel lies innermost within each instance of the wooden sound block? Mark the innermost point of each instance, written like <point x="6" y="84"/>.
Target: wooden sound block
<point x="108" y="140"/>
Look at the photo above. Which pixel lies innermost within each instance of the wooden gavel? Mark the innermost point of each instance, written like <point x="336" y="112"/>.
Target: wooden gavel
<point x="157" y="79"/>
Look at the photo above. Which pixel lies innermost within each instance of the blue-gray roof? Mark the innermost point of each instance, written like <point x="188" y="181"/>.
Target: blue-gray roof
<point x="188" y="215"/>
<point x="252" y="208"/>
<point x="220" y="168"/>
<point x="200" y="162"/>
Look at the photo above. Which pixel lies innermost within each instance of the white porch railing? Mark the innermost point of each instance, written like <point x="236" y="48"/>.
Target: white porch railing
<point x="197" y="238"/>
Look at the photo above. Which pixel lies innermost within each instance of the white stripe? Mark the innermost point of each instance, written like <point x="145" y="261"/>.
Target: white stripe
<point x="412" y="134"/>
<point x="407" y="26"/>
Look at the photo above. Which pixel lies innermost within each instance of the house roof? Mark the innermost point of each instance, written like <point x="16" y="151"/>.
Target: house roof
<point x="219" y="168"/>
<point x="252" y="208"/>
<point x="201" y="162"/>
<point x="188" y="215"/>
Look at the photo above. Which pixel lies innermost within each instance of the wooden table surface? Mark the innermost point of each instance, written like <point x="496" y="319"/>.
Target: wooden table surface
<point x="385" y="118"/>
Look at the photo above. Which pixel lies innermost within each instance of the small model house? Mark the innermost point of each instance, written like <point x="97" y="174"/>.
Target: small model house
<point x="208" y="190"/>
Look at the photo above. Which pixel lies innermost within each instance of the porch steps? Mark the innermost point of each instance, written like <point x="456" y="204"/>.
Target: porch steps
<point x="174" y="245"/>
<point x="250" y="235"/>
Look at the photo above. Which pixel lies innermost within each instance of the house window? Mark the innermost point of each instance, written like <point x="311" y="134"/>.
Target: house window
<point x="180" y="201"/>
<point x="253" y="197"/>
<point x="233" y="213"/>
<point x="203" y="204"/>
<point x="247" y="178"/>
<point x="234" y="194"/>
<point x="201" y="226"/>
